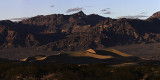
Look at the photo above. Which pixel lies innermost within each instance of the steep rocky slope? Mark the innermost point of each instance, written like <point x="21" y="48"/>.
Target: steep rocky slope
<point x="156" y="15"/>
<point x="78" y="32"/>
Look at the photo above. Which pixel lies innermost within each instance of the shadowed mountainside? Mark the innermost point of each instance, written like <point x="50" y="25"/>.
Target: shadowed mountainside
<point x="77" y="32"/>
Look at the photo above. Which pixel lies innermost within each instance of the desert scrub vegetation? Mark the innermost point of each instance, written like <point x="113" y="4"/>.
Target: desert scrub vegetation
<point x="55" y="71"/>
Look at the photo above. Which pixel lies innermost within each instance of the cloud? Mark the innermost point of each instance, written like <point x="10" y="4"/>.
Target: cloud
<point x="74" y="9"/>
<point x="19" y="19"/>
<point x="107" y="12"/>
<point x="51" y="5"/>
<point x="133" y="17"/>
<point x="143" y="13"/>
<point x="106" y="9"/>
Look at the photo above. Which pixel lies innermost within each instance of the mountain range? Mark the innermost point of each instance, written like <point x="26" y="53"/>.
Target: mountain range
<point x="58" y="32"/>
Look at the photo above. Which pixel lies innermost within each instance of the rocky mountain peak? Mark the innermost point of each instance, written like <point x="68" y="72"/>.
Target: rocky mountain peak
<point x="80" y="13"/>
<point x="156" y="15"/>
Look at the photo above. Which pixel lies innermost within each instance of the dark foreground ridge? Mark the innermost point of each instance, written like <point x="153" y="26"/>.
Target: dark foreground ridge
<point x="78" y="31"/>
<point x="10" y="71"/>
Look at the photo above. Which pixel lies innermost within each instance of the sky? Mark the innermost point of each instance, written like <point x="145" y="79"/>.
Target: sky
<point x="16" y="9"/>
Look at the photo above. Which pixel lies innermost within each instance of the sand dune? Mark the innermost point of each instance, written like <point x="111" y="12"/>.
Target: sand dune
<point x="89" y="53"/>
<point x="40" y="57"/>
<point x="118" y="52"/>
<point x="25" y="59"/>
<point x="109" y="56"/>
<point x="34" y="58"/>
